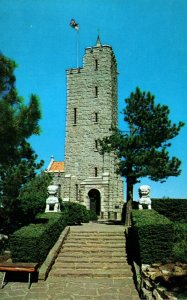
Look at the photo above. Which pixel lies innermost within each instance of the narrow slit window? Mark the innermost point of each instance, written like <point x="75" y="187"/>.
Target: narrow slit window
<point x="77" y="192"/>
<point x="96" y="91"/>
<point x="95" y="171"/>
<point x="75" y="115"/>
<point x="96" y="117"/>
<point x="96" y="145"/>
<point x="96" y="64"/>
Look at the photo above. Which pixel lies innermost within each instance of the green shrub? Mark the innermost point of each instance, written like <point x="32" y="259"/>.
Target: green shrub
<point x="32" y="198"/>
<point x="92" y="215"/>
<point x="3" y="244"/>
<point x="152" y="237"/>
<point x="4" y="220"/>
<point x="33" y="242"/>
<point x="75" y="213"/>
<point x="173" y="209"/>
<point x="180" y="242"/>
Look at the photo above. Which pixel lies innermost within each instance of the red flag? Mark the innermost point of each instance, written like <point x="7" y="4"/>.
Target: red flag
<point x="74" y="25"/>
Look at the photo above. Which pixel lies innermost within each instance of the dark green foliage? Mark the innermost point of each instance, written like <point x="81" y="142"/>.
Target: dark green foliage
<point x="180" y="242"/>
<point x="76" y="213"/>
<point x="142" y="147"/>
<point x="7" y="78"/>
<point x="32" y="198"/>
<point x="18" y="122"/>
<point x="3" y="245"/>
<point x="173" y="209"/>
<point x="152" y="237"/>
<point x="92" y="215"/>
<point x="32" y="243"/>
<point x="3" y="220"/>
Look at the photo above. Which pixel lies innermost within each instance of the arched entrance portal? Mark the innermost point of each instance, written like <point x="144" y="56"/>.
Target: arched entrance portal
<point x="95" y="201"/>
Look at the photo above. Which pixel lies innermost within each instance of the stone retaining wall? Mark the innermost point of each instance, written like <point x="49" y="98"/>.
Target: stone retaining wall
<point x="147" y="287"/>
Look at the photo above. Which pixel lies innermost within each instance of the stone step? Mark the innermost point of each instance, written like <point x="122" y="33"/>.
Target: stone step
<point x="81" y="254"/>
<point x="114" y="273"/>
<point x="97" y="239"/>
<point x="92" y="254"/>
<point x="90" y="250"/>
<point x="91" y="265"/>
<point x="93" y="242"/>
<point x="93" y="245"/>
<point x="96" y="234"/>
<point x="96" y="259"/>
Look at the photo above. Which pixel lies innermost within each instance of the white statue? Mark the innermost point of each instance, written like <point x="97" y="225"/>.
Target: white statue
<point x="144" y="193"/>
<point x="52" y="202"/>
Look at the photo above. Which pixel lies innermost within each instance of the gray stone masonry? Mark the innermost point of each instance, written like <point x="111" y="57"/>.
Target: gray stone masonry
<point x="91" y="110"/>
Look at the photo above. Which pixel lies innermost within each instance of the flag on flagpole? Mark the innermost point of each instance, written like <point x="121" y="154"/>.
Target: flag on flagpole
<point x="74" y="25"/>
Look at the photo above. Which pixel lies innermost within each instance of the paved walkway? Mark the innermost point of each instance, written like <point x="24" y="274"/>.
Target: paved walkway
<point x="74" y="288"/>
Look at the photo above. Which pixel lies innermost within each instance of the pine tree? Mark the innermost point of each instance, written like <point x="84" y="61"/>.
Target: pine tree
<point x="32" y="197"/>
<point x="18" y="122"/>
<point x="142" y="149"/>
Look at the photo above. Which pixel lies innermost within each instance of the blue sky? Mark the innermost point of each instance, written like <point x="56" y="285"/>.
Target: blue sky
<point x="149" y="39"/>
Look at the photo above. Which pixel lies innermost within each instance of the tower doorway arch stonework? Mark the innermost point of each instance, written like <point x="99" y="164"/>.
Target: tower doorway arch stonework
<point x="95" y="201"/>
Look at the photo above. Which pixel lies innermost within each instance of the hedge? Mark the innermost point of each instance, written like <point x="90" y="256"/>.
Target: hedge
<point x="92" y="215"/>
<point x="173" y="209"/>
<point x="180" y="242"/>
<point x="75" y="213"/>
<point x="152" y="237"/>
<point x="32" y="243"/>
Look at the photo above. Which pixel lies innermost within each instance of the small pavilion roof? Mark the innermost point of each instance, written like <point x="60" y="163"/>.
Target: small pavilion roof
<point x="55" y="166"/>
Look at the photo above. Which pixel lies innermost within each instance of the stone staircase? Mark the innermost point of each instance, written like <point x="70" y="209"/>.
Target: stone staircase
<point x="93" y="254"/>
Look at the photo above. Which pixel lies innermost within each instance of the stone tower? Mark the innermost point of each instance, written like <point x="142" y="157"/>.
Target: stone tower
<point x="89" y="177"/>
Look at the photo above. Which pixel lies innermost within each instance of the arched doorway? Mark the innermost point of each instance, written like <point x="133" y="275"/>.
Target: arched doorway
<point x="95" y="201"/>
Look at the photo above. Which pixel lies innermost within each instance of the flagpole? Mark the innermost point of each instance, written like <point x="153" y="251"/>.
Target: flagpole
<point x="77" y="49"/>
